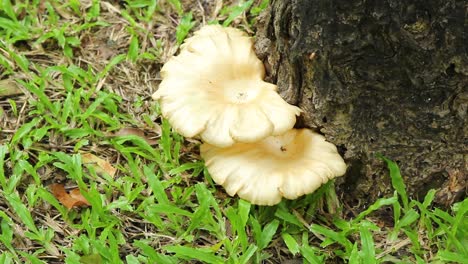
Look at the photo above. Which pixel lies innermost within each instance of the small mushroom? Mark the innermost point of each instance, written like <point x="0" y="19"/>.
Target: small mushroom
<point x="289" y="166"/>
<point x="214" y="88"/>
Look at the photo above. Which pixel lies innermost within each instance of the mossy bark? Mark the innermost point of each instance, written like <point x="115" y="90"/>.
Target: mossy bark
<point x="385" y="77"/>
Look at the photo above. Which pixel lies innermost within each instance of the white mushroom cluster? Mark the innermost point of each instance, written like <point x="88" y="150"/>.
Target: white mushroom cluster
<point x="215" y="89"/>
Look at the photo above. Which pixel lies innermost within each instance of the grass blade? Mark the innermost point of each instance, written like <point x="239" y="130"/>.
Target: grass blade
<point x="332" y="236"/>
<point x="267" y="234"/>
<point x="367" y="243"/>
<point x="310" y="255"/>
<point x="189" y="253"/>
<point x="154" y="257"/>
<point x="397" y="180"/>
<point x="22" y="211"/>
<point x="156" y="186"/>
<point x="244" y="259"/>
<point x="24" y="130"/>
<point x="291" y="243"/>
<point x="378" y="204"/>
<point x="3" y="180"/>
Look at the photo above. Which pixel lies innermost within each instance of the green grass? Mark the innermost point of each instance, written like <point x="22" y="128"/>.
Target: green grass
<point x="85" y="72"/>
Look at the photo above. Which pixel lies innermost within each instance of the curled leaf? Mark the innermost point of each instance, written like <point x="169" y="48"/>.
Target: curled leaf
<point x="68" y="199"/>
<point x="9" y="88"/>
<point x="101" y="166"/>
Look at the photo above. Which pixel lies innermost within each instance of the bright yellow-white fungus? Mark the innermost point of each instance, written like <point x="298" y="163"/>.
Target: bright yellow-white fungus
<point x="214" y="88"/>
<point x="293" y="164"/>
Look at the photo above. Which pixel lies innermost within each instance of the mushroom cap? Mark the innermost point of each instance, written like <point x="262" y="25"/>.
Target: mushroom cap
<point x="214" y="88"/>
<point x="213" y="30"/>
<point x="293" y="164"/>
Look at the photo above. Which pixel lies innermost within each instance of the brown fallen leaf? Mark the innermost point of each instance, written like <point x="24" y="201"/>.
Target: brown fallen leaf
<point x="101" y="166"/>
<point x="69" y="200"/>
<point x="9" y="88"/>
<point x="136" y="132"/>
<point x="62" y="11"/>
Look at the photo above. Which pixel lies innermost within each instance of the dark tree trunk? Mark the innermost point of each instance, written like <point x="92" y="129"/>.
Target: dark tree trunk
<point x="385" y="77"/>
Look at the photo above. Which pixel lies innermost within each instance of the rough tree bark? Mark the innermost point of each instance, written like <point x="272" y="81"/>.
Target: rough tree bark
<point x="385" y="77"/>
